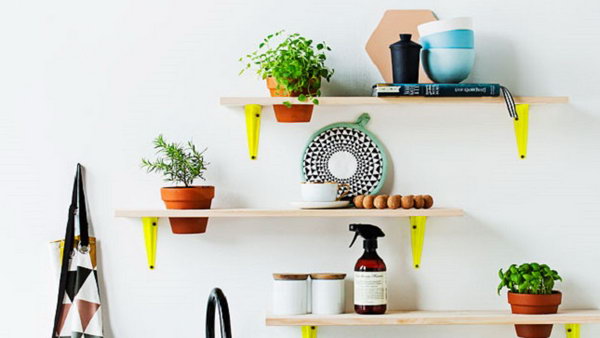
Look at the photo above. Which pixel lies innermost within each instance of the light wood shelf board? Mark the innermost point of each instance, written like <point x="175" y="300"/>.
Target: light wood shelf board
<point x="369" y="100"/>
<point x="436" y="318"/>
<point x="350" y="212"/>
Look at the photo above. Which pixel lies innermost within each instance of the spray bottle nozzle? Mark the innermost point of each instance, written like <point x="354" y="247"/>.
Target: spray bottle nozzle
<point x="369" y="232"/>
<point x="354" y="239"/>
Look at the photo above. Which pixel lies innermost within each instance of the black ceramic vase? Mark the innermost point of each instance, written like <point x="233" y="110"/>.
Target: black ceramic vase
<point x="405" y="60"/>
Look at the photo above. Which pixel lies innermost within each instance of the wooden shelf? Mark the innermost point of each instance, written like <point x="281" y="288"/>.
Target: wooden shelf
<point x="417" y="219"/>
<point x="436" y="318"/>
<point x="253" y="109"/>
<point x="369" y="100"/>
<point x="350" y="212"/>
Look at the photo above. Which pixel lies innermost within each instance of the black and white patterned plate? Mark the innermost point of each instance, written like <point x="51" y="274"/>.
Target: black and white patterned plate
<point x="346" y="153"/>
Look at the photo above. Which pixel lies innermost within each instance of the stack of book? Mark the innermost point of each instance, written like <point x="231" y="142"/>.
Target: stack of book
<point x="436" y="89"/>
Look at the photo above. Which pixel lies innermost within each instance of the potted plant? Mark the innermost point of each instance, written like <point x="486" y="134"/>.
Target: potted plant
<point x="182" y="164"/>
<point x="531" y="291"/>
<point x="293" y="68"/>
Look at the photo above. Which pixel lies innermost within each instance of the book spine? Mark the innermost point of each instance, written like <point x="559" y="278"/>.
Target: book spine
<point x="437" y="90"/>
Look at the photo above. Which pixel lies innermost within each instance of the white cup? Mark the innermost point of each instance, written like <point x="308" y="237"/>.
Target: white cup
<point x="323" y="192"/>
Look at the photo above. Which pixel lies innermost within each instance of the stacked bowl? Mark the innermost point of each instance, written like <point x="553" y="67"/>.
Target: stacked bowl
<point x="448" y="51"/>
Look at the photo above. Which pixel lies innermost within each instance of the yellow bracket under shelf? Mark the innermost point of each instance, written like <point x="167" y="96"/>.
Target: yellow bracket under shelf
<point x="309" y="332"/>
<point x="417" y="236"/>
<point x="150" y="225"/>
<point x="253" y="112"/>
<point x="572" y="330"/>
<point x="522" y="128"/>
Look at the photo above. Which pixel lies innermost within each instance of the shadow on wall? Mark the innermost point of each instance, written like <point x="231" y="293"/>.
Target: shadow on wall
<point x="389" y="180"/>
<point x="347" y="88"/>
<point x="496" y="62"/>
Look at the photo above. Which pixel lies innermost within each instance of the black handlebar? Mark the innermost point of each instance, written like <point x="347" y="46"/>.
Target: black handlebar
<point x="217" y="298"/>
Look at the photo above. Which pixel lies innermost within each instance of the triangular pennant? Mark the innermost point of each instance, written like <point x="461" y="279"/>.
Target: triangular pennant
<point x="86" y="312"/>
<point x="71" y="282"/>
<point x="94" y="328"/>
<point x="72" y="322"/>
<point x="89" y="291"/>
<point x="64" y="311"/>
<point x="82" y="276"/>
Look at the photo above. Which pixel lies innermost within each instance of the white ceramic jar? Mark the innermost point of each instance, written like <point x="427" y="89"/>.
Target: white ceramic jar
<point x="328" y="293"/>
<point x="290" y="294"/>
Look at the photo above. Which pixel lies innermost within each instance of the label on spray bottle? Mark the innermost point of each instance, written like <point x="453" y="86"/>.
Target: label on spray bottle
<point x="370" y="288"/>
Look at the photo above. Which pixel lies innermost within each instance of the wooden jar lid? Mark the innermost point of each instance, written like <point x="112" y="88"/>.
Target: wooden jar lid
<point x="290" y="276"/>
<point x="327" y="275"/>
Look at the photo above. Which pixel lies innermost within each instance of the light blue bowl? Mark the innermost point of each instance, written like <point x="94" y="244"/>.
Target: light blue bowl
<point x="448" y="65"/>
<point x="459" y="38"/>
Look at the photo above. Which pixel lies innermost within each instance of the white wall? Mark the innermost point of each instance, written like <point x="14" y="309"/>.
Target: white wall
<point x="95" y="81"/>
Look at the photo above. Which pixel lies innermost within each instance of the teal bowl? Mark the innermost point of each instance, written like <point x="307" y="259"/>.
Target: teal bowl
<point x="459" y="38"/>
<point x="448" y="65"/>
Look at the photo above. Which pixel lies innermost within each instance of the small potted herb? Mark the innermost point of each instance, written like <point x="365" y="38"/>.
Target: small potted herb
<point x="531" y="291"/>
<point x="294" y="67"/>
<point x="181" y="165"/>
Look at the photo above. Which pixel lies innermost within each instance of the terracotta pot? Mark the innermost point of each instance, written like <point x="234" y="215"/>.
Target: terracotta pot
<point x="294" y="114"/>
<point x="196" y="197"/>
<point x="534" y="305"/>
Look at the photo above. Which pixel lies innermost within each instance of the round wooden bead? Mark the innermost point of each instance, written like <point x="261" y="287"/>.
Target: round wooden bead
<point x="394" y="202"/>
<point x="407" y="201"/>
<point x="428" y="201"/>
<point x="358" y="201"/>
<point x="380" y="201"/>
<point x="419" y="202"/>
<point x="368" y="201"/>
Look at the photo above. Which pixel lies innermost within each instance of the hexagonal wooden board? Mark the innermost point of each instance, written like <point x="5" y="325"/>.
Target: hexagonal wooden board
<point x="387" y="32"/>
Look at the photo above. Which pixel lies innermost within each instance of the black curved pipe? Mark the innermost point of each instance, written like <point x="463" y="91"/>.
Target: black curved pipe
<point x="217" y="298"/>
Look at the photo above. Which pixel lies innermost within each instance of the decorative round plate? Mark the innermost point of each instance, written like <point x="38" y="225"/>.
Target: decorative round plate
<point x="346" y="153"/>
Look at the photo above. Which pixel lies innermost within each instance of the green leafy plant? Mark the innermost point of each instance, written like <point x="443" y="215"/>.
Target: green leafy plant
<point x="296" y="63"/>
<point x="530" y="278"/>
<point x="178" y="163"/>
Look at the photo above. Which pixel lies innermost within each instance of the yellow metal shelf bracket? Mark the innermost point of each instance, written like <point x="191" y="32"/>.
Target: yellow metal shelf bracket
<point x="309" y="332"/>
<point x="150" y="225"/>
<point x="417" y="236"/>
<point x="572" y="330"/>
<point x="522" y="128"/>
<point x="253" y="112"/>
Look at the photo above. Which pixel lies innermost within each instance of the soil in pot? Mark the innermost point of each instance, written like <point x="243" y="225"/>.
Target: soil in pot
<point x="534" y="305"/>
<point x="294" y="114"/>
<point x="196" y="197"/>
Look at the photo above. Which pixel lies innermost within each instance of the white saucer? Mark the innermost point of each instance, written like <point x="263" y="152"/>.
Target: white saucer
<point x="321" y="205"/>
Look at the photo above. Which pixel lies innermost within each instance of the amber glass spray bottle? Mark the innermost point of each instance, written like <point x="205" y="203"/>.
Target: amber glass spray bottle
<point x="370" y="286"/>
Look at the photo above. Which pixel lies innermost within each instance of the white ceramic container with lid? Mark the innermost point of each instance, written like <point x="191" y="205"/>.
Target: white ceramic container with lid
<point x="290" y="294"/>
<point x="328" y="294"/>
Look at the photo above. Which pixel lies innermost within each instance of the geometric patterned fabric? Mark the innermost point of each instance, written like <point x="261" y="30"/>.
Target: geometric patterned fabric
<point x="81" y="313"/>
<point x="369" y="159"/>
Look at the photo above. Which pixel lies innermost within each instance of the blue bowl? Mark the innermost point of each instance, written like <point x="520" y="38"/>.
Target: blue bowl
<point x="448" y="65"/>
<point x="460" y="38"/>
